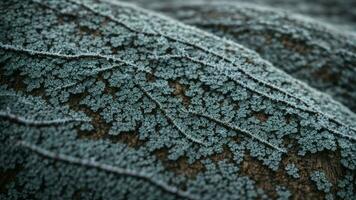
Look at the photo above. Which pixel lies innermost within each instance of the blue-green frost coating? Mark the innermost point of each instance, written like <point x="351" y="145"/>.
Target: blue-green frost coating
<point x="319" y="54"/>
<point x="109" y="101"/>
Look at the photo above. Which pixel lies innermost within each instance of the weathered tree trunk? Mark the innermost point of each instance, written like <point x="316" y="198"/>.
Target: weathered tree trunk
<point x="110" y="101"/>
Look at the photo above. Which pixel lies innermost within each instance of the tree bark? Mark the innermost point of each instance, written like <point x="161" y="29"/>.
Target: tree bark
<point x="110" y="101"/>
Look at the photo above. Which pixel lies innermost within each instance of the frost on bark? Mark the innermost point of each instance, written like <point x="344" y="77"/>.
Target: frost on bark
<point x="110" y="101"/>
<point x="308" y="50"/>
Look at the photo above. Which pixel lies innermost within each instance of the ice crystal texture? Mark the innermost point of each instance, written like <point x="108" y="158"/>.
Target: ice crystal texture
<point x="320" y="55"/>
<point x="105" y="100"/>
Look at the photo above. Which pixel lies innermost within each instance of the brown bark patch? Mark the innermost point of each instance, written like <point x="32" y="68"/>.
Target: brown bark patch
<point x="302" y="187"/>
<point x="180" y="166"/>
<point x="262" y="117"/>
<point x="7" y="177"/>
<point x="179" y="91"/>
<point x="326" y="75"/>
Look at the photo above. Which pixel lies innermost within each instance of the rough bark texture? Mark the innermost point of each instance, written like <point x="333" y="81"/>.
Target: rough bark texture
<point x="110" y="101"/>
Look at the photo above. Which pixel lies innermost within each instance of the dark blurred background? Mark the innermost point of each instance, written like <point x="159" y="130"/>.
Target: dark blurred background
<point x="341" y="13"/>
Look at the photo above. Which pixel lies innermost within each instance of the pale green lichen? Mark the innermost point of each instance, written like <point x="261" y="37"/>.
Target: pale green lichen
<point x="321" y="181"/>
<point x="79" y="106"/>
<point x="283" y="193"/>
<point x="306" y="49"/>
<point x="292" y="170"/>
